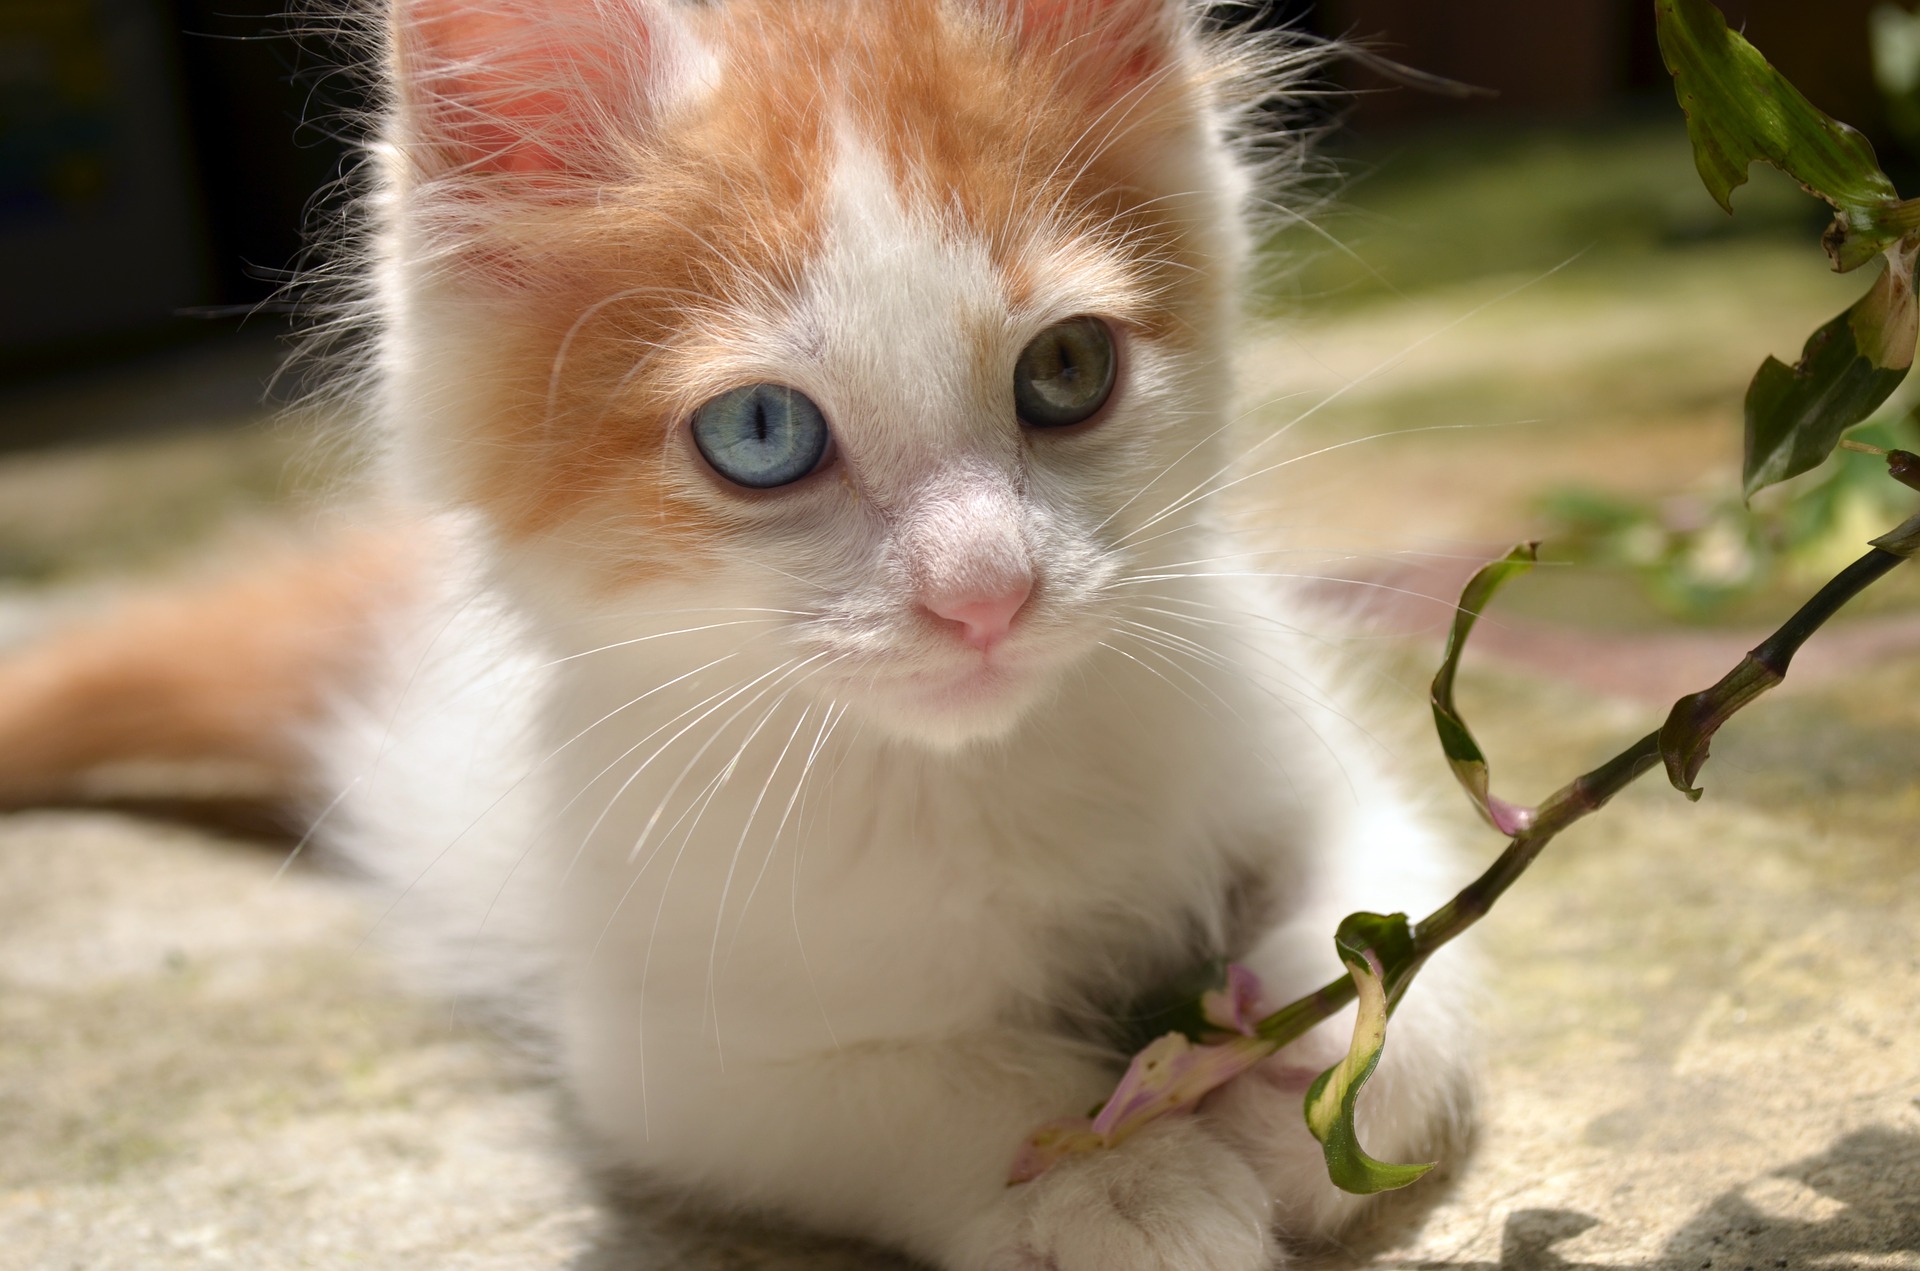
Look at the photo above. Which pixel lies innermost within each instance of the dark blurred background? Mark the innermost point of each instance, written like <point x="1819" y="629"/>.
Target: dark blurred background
<point x="162" y="160"/>
<point x="157" y="164"/>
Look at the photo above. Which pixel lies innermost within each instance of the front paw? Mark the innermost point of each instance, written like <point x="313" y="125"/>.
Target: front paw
<point x="1171" y="1198"/>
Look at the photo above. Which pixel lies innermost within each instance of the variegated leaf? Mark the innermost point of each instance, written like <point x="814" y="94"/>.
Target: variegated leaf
<point x="1378" y="953"/>
<point x="1464" y="756"/>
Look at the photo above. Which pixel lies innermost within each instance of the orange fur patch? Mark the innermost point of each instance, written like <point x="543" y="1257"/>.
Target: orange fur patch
<point x="227" y="674"/>
<point x="620" y="306"/>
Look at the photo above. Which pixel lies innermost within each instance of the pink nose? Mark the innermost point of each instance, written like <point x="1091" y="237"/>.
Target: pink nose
<point x="983" y="620"/>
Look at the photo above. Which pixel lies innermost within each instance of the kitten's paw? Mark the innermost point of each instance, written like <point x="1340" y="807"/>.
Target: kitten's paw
<point x="1172" y="1198"/>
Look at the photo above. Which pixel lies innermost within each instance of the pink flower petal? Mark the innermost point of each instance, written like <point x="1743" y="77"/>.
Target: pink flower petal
<point x="1173" y="1075"/>
<point x="1170" y="1076"/>
<point x="1509" y="818"/>
<point x="1051" y="1144"/>
<point x="1236" y="1008"/>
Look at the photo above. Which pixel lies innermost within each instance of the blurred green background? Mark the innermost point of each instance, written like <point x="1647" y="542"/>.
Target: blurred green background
<point x="1564" y="323"/>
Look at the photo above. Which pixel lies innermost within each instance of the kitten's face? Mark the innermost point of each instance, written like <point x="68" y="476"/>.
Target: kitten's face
<point x="891" y="318"/>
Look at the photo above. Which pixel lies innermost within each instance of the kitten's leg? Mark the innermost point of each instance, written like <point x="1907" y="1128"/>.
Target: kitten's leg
<point x="1417" y="1105"/>
<point x="911" y="1143"/>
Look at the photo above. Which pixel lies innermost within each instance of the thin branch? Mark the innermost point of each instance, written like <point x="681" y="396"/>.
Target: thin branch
<point x="1693" y="720"/>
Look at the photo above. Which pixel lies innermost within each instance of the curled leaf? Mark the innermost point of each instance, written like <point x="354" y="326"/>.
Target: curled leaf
<point x="1687" y="736"/>
<point x="1740" y="110"/>
<point x="1376" y="950"/>
<point x="1797" y="414"/>
<point x="1464" y="756"/>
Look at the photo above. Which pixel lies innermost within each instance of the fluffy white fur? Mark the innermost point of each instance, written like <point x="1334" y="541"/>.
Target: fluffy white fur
<point x="819" y="907"/>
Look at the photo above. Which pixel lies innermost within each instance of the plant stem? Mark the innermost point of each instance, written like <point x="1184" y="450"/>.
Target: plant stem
<point x="1584" y="795"/>
<point x="1592" y="791"/>
<point x="1777" y="650"/>
<point x="1295" y="1018"/>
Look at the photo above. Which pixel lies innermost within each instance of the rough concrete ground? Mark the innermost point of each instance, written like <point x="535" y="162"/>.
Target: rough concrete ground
<point x="1704" y="1021"/>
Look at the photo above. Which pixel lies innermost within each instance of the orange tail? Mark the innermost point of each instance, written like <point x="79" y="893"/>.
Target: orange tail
<point x="201" y="693"/>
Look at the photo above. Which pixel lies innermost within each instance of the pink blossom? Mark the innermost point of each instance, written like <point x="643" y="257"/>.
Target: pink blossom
<point x="1236" y="1008"/>
<point x="1050" y="1144"/>
<point x="1172" y="1075"/>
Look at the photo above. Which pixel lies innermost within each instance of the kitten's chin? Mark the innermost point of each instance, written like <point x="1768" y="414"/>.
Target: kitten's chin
<point x="954" y="711"/>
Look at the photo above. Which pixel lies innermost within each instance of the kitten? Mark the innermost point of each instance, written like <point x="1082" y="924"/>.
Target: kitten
<point x="809" y="691"/>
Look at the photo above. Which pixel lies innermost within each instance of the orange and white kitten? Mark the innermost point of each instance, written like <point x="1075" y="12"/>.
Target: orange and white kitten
<point x="820" y="703"/>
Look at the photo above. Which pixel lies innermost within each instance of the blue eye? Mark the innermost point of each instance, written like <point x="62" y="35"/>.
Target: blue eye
<point x="762" y="435"/>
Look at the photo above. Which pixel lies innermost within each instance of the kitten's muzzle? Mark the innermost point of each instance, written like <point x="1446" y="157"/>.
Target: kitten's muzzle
<point x="966" y="554"/>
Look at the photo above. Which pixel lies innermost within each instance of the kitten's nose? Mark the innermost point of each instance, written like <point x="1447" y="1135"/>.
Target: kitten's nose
<point x="983" y="620"/>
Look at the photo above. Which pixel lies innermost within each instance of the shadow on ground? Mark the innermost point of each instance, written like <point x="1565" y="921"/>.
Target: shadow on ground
<point x="636" y="1240"/>
<point x="1856" y="1183"/>
<point x="1861" y="1173"/>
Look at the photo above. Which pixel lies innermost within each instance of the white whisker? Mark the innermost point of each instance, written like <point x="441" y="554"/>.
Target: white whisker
<point x="733" y="861"/>
<point x="1206" y="487"/>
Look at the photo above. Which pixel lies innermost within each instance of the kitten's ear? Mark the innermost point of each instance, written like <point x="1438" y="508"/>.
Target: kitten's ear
<point x="539" y="89"/>
<point x="1108" y="49"/>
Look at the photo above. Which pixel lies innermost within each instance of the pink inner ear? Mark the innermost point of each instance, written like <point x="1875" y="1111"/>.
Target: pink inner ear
<point x="1109" y="46"/>
<point x="520" y="86"/>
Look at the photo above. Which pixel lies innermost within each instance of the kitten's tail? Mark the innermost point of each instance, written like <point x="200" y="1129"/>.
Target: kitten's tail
<point x="207" y="692"/>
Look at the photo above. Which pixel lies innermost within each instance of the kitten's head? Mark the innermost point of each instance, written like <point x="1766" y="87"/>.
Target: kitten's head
<point x="894" y="322"/>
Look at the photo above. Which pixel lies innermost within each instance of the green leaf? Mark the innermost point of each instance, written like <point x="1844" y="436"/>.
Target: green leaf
<point x="1464" y="756"/>
<point x="1378" y="952"/>
<point x="1796" y="415"/>
<point x="1741" y="110"/>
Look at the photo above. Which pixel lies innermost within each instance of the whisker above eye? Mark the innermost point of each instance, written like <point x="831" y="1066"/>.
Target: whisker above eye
<point x="573" y="330"/>
<point x="1208" y="490"/>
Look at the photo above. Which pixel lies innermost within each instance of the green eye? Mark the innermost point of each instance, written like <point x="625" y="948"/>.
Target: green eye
<point x="1066" y="375"/>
